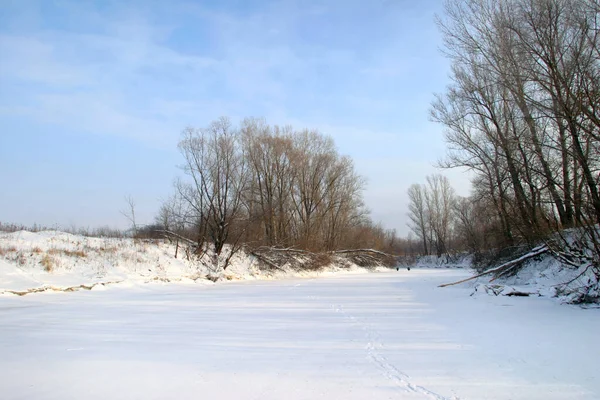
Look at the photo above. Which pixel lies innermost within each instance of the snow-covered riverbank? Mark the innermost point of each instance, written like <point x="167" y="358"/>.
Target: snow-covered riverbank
<point x="57" y="261"/>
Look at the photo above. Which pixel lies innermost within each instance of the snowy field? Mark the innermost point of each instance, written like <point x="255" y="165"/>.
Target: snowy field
<point x="368" y="336"/>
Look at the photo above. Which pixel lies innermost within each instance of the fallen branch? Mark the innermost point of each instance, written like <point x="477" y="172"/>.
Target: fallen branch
<point x="170" y="233"/>
<point x="567" y="258"/>
<point x="504" y="267"/>
<point x="266" y="261"/>
<point x="585" y="270"/>
<point x="284" y="250"/>
<point x="362" y="251"/>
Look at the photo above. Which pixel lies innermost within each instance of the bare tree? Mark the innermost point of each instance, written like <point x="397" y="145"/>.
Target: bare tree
<point x="268" y="153"/>
<point x="302" y="190"/>
<point x="439" y="198"/>
<point x="172" y="218"/>
<point x="217" y="168"/>
<point x="129" y="213"/>
<point x="418" y="213"/>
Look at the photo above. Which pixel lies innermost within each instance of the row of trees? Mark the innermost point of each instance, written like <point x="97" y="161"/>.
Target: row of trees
<point x="431" y="211"/>
<point x="268" y="185"/>
<point x="523" y="113"/>
<point x="444" y="222"/>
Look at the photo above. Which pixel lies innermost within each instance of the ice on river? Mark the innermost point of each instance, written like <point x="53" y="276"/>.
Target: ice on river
<point x="368" y="336"/>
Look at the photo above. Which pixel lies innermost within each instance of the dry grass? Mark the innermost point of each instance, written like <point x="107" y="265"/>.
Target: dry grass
<point x="75" y="253"/>
<point x="68" y="253"/>
<point x="36" y="250"/>
<point x="5" y="250"/>
<point x="48" y="263"/>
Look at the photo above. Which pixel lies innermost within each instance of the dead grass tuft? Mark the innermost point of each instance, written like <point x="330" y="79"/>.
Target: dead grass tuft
<point x="36" y="250"/>
<point x="48" y="263"/>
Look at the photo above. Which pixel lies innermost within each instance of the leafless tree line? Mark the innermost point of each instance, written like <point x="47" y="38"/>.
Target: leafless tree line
<point x="523" y="112"/>
<point x="430" y="212"/>
<point x="266" y="185"/>
<point x="444" y="222"/>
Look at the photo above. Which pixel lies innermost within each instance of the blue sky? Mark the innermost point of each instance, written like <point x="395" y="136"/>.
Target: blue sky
<point x="94" y="95"/>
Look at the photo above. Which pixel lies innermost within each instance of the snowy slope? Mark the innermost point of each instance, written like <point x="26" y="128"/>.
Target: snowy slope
<point x="52" y="260"/>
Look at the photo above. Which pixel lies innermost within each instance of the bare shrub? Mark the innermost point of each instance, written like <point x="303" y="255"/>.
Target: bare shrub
<point x="20" y="259"/>
<point x="317" y="262"/>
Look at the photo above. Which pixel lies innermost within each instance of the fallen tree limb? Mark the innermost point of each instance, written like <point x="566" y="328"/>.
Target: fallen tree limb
<point x="504" y="267"/>
<point x="362" y="251"/>
<point x="266" y="260"/>
<point x="585" y="270"/>
<point x="283" y="250"/>
<point x="170" y="233"/>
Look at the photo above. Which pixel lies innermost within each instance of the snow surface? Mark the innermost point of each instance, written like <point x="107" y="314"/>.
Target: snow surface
<point x="368" y="336"/>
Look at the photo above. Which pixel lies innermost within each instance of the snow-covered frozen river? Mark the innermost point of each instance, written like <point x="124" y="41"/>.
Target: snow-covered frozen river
<point x="365" y="336"/>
